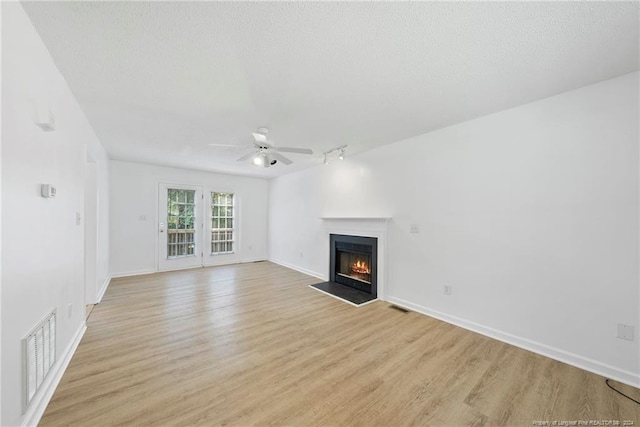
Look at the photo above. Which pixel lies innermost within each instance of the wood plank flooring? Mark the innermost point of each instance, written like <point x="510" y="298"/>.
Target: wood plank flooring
<point x="252" y="344"/>
<point x="88" y="310"/>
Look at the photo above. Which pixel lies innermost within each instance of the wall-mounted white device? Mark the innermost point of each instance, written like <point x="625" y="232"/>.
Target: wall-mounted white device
<point x="47" y="190"/>
<point x="44" y="119"/>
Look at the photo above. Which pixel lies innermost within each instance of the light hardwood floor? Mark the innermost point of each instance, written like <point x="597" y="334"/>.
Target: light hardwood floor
<point x="88" y="310"/>
<point x="252" y="344"/>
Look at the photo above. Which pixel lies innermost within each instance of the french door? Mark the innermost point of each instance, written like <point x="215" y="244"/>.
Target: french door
<point x="181" y="226"/>
<point x="196" y="228"/>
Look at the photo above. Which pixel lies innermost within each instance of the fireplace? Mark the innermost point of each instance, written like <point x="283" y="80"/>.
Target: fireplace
<point x="353" y="262"/>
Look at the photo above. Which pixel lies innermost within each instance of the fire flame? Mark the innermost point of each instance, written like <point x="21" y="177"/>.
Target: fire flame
<point x="360" y="267"/>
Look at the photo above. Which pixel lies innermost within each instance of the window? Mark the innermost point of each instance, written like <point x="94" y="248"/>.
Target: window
<point x="222" y="233"/>
<point x="180" y="221"/>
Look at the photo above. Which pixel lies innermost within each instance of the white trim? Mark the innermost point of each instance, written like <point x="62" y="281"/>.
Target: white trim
<point x="223" y="262"/>
<point x="143" y="272"/>
<point x="255" y="259"/>
<point x="342" y="299"/>
<point x="38" y="406"/>
<point x="103" y="289"/>
<point x="134" y="273"/>
<point x="221" y="259"/>
<point x="572" y="359"/>
<point x="355" y="218"/>
<point x="299" y="269"/>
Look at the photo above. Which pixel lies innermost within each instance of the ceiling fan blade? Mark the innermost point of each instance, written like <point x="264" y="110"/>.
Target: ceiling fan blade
<point x="246" y="156"/>
<point x="281" y="158"/>
<point x="294" y="150"/>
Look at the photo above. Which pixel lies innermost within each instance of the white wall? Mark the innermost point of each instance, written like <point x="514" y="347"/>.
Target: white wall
<point x="42" y="260"/>
<point x="1" y="115"/>
<point x="530" y="214"/>
<point x="134" y="195"/>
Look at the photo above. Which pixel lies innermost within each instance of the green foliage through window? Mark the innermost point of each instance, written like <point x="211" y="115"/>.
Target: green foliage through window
<point x="181" y="218"/>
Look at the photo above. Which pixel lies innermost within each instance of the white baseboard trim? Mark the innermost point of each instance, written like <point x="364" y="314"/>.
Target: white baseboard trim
<point x="35" y="412"/>
<point x="132" y="273"/>
<point x="219" y="263"/>
<point x="256" y="259"/>
<point x="300" y="269"/>
<point x="573" y="359"/>
<point x="103" y="289"/>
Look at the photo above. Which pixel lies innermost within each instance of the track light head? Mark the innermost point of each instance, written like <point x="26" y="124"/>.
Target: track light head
<point x="340" y="150"/>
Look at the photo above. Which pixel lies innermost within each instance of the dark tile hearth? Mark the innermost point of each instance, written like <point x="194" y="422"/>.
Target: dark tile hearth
<point x="348" y="293"/>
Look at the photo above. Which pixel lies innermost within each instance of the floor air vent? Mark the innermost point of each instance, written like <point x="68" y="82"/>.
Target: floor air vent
<point x="38" y="355"/>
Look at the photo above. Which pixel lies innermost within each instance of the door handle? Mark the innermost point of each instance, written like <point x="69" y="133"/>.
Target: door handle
<point x="162" y="227"/>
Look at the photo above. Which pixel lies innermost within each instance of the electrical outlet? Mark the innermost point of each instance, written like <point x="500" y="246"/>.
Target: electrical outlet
<point x="446" y="289"/>
<point x="70" y="310"/>
<point x="625" y="332"/>
<point x="142" y="217"/>
<point x="414" y="228"/>
<point x="301" y="255"/>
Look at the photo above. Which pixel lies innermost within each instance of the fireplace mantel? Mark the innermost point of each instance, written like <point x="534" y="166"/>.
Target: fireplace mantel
<point x="365" y="226"/>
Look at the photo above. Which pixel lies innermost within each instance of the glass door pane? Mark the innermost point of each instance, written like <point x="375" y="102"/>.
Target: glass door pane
<point x="180" y="227"/>
<point x="181" y="217"/>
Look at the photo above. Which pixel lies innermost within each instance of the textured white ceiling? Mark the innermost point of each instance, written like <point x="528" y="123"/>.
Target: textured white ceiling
<point x="161" y="80"/>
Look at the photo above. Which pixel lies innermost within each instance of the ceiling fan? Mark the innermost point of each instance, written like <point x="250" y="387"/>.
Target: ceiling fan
<point x="264" y="153"/>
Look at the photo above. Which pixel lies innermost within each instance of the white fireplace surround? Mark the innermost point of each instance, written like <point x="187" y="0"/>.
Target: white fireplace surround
<point x="365" y="227"/>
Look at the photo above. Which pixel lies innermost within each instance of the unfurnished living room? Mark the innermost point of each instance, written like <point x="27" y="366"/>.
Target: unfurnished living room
<point x="320" y="213"/>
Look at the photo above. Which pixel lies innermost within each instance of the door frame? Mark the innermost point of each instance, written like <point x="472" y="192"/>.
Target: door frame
<point x="90" y="231"/>
<point x="161" y="230"/>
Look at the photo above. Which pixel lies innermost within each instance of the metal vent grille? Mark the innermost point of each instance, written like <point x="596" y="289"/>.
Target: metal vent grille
<point x="39" y="355"/>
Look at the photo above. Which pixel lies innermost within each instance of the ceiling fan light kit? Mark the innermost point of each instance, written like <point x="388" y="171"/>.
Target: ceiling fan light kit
<point x="264" y="160"/>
